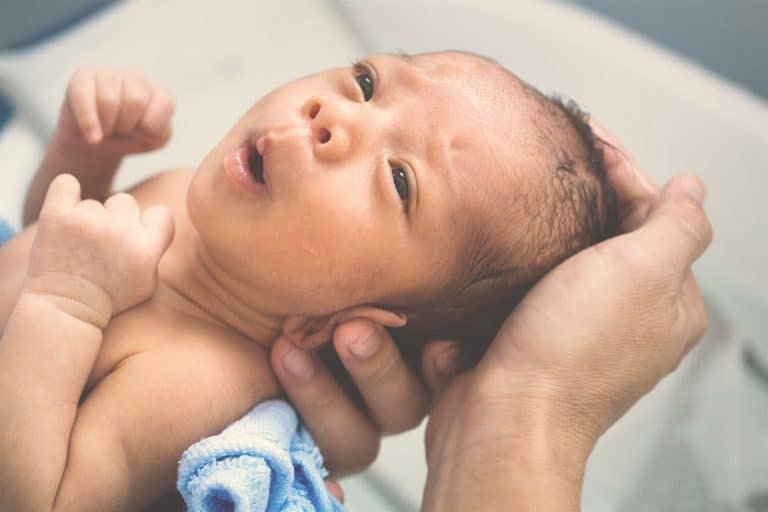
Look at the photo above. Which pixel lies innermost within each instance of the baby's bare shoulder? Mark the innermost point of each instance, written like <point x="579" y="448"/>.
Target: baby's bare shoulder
<point x="168" y="187"/>
<point x="182" y="382"/>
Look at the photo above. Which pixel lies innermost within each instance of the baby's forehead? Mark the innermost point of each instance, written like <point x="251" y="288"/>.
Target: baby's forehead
<point x="469" y="68"/>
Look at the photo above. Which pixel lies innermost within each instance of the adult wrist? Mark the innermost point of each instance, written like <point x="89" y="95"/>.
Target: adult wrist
<point x="507" y="451"/>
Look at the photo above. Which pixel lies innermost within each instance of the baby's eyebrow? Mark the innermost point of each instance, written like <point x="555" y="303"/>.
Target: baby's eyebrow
<point x="403" y="56"/>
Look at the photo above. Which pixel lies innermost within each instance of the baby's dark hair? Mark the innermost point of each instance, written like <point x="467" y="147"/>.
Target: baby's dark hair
<point x="583" y="203"/>
<point x="575" y="208"/>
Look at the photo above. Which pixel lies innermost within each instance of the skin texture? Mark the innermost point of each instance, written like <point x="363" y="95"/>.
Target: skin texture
<point x="343" y="228"/>
<point x="557" y="376"/>
<point x="516" y="431"/>
<point x="331" y="224"/>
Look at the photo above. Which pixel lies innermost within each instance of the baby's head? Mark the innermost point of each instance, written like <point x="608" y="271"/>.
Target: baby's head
<point x="437" y="187"/>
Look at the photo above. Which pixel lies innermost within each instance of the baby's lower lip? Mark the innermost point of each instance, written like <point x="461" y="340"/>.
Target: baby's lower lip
<point x="236" y="168"/>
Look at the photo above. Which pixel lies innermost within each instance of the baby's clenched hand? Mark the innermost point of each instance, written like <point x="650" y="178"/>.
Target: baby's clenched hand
<point x="96" y="260"/>
<point x="117" y="112"/>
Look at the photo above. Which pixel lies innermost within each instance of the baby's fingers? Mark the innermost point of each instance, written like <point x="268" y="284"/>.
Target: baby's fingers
<point x="123" y="204"/>
<point x="160" y="227"/>
<point x="136" y="95"/>
<point x="157" y="117"/>
<point x="81" y="99"/>
<point x="63" y="195"/>
<point x="108" y="94"/>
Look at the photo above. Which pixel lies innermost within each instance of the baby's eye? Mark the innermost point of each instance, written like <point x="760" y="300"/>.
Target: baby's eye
<point x="401" y="185"/>
<point x="365" y="82"/>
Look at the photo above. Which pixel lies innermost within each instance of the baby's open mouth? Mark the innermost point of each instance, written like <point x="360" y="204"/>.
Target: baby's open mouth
<point x="255" y="164"/>
<point x="244" y="165"/>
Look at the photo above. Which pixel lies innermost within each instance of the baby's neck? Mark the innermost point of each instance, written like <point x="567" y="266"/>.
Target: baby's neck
<point x="191" y="283"/>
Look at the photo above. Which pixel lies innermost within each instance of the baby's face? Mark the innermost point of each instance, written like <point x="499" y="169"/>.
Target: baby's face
<point x="369" y="182"/>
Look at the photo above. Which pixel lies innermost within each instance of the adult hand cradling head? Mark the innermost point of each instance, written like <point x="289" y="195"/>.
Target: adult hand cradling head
<point x="589" y="340"/>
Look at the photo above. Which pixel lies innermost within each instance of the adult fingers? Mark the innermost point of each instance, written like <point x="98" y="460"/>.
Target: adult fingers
<point x="635" y="191"/>
<point x="345" y="436"/>
<point x="335" y="488"/>
<point x="440" y="362"/>
<point x="395" y="397"/>
<point x="677" y="229"/>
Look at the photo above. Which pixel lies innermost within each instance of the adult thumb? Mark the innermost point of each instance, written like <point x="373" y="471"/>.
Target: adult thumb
<point x="677" y="229"/>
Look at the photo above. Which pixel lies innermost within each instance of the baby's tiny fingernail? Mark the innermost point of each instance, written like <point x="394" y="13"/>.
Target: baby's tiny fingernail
<point x="94" y="135"/>
<point x="299" y="363"/>
<point x="694" y="187"/>
<point x="448" y="361"/>
<point x="366" y="345"/>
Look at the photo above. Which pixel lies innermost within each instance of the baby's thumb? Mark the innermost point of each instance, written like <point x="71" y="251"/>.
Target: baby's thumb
<point x="160" y="227"/>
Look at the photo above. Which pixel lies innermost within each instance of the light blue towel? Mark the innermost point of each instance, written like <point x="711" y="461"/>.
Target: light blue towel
<point x="6" y="232"/>
<point x="266" y="462"/>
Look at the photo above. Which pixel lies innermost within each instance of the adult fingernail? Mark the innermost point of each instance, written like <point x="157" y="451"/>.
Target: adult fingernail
<point x="694" y="187"/>
<point x="299" y="364"/>
<point x="448" y="361"/>
<point x="366" y="344"/>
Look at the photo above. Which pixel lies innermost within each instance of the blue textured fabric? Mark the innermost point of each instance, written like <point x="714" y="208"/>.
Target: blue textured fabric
<point x="6" y="232"/>
<point x="264" y="462"/>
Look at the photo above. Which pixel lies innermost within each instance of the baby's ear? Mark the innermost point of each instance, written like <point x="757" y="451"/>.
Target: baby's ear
<point x="310" y="332"/>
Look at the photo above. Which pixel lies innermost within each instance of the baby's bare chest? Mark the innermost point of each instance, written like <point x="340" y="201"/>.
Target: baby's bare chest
<point x="136" y="332"/>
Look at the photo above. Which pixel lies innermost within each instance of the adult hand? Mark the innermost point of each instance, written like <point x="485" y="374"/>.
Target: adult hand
<point x="590" y="339"/>
<point x="395" y="398"/>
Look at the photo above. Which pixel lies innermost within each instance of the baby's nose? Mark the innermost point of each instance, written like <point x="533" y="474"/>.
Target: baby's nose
<point x="331" y="124"/>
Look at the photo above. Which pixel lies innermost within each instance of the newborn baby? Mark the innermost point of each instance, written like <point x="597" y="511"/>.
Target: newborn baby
<point x="429" y="190"/>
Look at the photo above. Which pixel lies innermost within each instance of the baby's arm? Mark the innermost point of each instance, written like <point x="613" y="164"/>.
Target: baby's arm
<point x="106" y="115"/>
<point x="87" y="263"/>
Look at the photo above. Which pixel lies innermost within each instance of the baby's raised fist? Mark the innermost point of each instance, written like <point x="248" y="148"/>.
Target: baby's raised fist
<point x="101" y="258"/>
<point x="120" y="112"/>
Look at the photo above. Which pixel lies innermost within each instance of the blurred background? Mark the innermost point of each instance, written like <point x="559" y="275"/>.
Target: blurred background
<point x="684" y="84"/>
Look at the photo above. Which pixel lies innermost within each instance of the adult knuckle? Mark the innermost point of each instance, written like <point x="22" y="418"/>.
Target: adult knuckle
<point x="387" y="369"/>
<point x="628" y="261"/>
<point x="366" y="451"/>
<point x="699" y="322"/>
